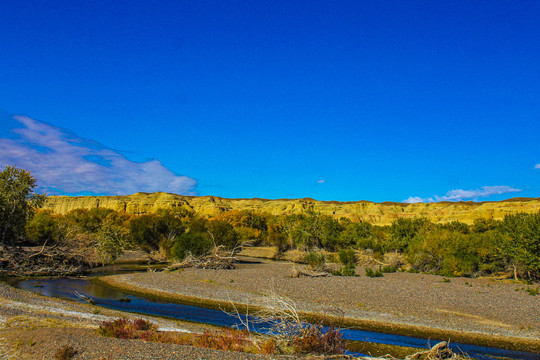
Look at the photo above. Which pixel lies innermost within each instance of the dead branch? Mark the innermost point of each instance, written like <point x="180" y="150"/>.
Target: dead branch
<point x="305" y="271"/>
<point x="85" y="298"/>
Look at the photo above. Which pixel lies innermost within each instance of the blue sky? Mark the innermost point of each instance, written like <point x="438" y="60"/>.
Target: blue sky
<point x="354" y="100"/>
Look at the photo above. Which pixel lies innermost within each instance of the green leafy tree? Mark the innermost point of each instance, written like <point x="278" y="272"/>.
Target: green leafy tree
<point x="404" y="230"/>
<point x="17" y="203"/>
<point x="154" y="231"/>
<point x="43" y="228"/>
<point x="523" y="246"/>
<point x="194" y="243"/>
<point x="89" y="220"/>
<point x="358" y="234"/>
<point x="223" y="233"/>
<point x="112" y="240"/>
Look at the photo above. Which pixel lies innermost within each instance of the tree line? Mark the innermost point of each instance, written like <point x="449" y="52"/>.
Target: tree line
<point x="486" y="247"/>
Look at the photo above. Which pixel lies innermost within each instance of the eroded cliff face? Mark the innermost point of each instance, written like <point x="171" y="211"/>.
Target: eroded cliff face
<point x="375" y="213"/>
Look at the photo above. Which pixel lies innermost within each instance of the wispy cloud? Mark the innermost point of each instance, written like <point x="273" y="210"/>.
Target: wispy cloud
<point x="461" y="195"/>
<point x="321" y="181"/>
<point x="537" y="166"/>
<point x="64" y="163"/>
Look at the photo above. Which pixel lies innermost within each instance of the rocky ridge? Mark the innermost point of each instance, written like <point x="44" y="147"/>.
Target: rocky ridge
<point x="375" y="213"/>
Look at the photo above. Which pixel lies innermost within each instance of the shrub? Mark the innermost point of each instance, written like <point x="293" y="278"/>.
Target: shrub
<point x="42" y="227"/>
<point x="127" y="329"/>
<point x="532" y="291"/>
<point x="345" y="271"/>
<point x="316" y="340"/>
<point x="347" y="257"/>
<point x="228" y="340"/>
<point x="523" y="248"/>
<point x="452" y="253"/>
<point x="359" y="234"/>
<point x="268" y="347"/>
<point x="66" y="352"/>
<point x="316" y="259"/>
<point x="404" y="230"/>
<point x="195" y="243"/>
<point x="388" y="269"/>
<point x="373" y="273"/>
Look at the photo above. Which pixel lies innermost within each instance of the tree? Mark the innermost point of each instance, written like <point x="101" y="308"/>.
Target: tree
<point x="524" y="245"/>
<point x="43" y="228"/>
<point x="17" y="203"/>
<point x="112" y="240"/>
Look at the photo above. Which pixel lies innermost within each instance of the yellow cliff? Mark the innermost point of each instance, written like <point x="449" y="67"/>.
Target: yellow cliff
<point x="375" y="213"/>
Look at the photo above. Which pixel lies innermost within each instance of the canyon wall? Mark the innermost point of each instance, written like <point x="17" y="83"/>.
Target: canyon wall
<point x="375" y="213"/>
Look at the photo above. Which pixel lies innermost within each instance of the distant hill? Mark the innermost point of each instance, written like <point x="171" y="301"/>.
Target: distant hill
<point x="375" y="213"/>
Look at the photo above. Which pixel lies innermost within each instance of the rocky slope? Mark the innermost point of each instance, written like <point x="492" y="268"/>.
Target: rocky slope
<point x="376" y="213"/>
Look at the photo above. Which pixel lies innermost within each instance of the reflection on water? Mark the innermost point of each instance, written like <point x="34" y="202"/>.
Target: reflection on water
<point x="66" y="288"/>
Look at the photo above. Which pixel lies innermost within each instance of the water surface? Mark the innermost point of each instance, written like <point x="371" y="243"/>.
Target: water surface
<point x="67" y="288"/>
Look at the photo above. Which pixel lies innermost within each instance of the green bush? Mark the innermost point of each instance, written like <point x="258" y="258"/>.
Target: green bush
<point x="452" y="253"/>
<point x="223" y="233"/>
<point x="349" y="260"/>
<point x="112" y="240"/>
<point x="43" y="227"/>
<point x="194" y="243"/>
<point x="316" y="259"/>
<point x="373" y="273"/>
<point x="388" y="269"/>
<point x="347" y="257"/>
<point x="403" y="231"/>
<point x="523" y="245"/>
<point x="345" y="271"/>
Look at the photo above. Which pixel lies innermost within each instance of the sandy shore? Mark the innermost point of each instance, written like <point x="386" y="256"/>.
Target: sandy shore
<point x="480" y="311"/>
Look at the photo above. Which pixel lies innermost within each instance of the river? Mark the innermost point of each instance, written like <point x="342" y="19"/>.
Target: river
<point x="66" y="288"/>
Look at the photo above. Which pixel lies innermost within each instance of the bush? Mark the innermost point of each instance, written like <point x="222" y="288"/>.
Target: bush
<point x="523" y="247"/>
<point x="17" y="203"/>
<point x="112" y="241"/>
<point x="347" y="257"/>
<point x="403" y="231"/>
<point x="452" y="253"/>
<point x="388" y="269"/>
<point x="316" y="340"/>
<point x="227" y="340"/>
<point x="194" y="243"/>
<point x="42" y="228"/>
<point x="373" y="273"/>
<point x="66" y="352"/>
<point x="345" y="271"/>
<point x="359" y="234"/>
<point x="223" y="233"/>
<point x="126" y="329"/>
<point x="349" y="260"/>
<point x="316" y="259"/>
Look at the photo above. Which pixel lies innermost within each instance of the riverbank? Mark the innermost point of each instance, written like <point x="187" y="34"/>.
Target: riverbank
<point x="476" y="311"/>
<point x="34" y="327"/>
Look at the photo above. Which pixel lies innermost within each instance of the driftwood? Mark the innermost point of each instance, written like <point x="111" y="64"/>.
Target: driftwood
<point x="45" y="261"/>
<point x="204" y="262"/>
<point x="305" y="271"/>
<point x="85" y="298"/>
<point x="218" y="258"/>
<point x="440" y="351"/>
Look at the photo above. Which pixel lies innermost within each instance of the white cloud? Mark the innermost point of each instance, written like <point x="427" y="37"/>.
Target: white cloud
<point x="321" y="181"/>
<point x="64" y="163"/>
<point x="537" y="166"/>
<point x="414" y="199"/>
<point x="463" y="195"/>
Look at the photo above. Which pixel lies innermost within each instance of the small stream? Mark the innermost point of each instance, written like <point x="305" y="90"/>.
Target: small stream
<point x="66" y="288"/>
